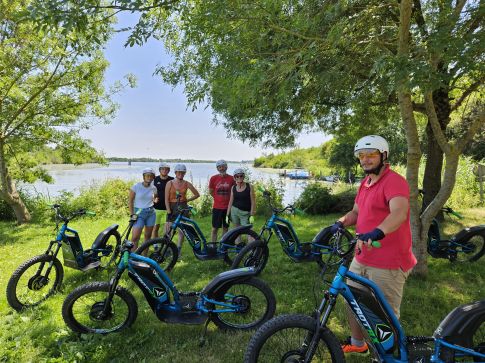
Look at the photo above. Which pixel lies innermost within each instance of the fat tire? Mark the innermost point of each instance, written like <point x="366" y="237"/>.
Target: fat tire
<point x="258" y="284"/>
<point x="245" y="258"/>
<point x="77" y="327"/>
<point x="170" y="245"/>
<point x="249" y="232"/>
<point x="347" y="236"/>
<point x="476" y="256"/>
<point x="12" y="298"/>
<point x="290" y="321"/>
<point x="115" y="253"/>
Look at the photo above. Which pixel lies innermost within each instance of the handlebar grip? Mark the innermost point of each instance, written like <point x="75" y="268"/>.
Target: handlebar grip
<point x="90" y="213"/>
<point x="376" y="244"/>
<point x="126" y="255"/>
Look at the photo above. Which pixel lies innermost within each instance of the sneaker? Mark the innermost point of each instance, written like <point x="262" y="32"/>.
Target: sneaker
<point x="347" y="347"/>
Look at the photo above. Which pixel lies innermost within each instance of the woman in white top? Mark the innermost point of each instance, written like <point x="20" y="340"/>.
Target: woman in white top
<point x="141" y="198"/>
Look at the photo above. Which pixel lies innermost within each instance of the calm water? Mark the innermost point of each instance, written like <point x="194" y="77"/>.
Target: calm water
<point x="72" y="178"/>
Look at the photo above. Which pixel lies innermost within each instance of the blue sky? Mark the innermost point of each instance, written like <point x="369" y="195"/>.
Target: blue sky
<point x="153" y="119"/>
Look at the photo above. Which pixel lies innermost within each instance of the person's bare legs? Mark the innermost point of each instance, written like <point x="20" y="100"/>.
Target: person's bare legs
<point x="135" y="236"/>
<point x="155" y="231"/>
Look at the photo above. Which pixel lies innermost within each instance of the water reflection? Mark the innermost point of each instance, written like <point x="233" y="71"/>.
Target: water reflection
<point x="73" y="178"/>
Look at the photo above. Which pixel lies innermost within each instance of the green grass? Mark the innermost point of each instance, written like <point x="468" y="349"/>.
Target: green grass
<point x="39" y="335"/>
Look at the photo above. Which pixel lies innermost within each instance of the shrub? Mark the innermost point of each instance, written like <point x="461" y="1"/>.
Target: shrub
<point x="316" y="199"/>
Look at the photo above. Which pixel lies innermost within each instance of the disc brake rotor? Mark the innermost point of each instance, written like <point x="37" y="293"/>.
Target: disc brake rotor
<point x="243" y="303"/>
<point x="98" y="312"/>
<point x="37" y="282"/>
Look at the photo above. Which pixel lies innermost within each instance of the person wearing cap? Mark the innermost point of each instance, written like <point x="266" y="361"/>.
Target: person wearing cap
<point x="141" y="198"/>
<point x="380" y="213"/>
<point x="220" y="188"/>
<point x="242" y="202"/>
<point x="176" y="193"/>
<point x="160" y="183"/>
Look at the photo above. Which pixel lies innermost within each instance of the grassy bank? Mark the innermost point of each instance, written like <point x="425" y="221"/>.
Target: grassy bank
<point x="40" y="335"/>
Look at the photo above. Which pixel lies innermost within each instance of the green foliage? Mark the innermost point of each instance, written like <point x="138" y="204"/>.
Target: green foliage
<point x="51" y="87"/>
<point x="204" y="203"/>
<point x="274" y="188"/>
<point x="466" y="193"/>
<point x="316" y="199"/>
<point x="311" y="159"/>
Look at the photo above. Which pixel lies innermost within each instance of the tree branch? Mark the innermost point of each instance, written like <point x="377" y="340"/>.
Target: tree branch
<point x="434" y="123"/>
<point x="478" y="117"/>
<point x="473" y="87"/>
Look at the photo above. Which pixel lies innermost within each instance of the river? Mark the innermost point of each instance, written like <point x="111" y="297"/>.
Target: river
<point x="72" y="178"/>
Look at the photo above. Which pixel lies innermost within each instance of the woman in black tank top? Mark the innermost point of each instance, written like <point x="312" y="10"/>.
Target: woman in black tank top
<point x="242" y="203"/>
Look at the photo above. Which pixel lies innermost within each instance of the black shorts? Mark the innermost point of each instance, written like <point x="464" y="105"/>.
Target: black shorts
<point x="219" y="218"/>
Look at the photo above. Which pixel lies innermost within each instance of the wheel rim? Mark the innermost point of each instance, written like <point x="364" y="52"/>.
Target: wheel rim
<point x="255" y="259"/>
<point x="251" y="304"/>
<point x="111" y="251"/>
<point x="289" y="345"/>
<point x="33" y="286"/>
<point x="88" y="311"/>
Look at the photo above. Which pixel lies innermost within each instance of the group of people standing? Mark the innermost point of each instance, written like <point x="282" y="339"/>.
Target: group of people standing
<point x="154" y="200"/>
<point x="380" y="213"/>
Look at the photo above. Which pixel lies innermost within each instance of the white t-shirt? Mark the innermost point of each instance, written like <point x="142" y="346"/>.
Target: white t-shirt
<point x="143" y="195"/>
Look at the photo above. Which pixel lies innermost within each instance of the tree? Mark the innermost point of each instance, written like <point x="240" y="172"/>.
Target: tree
<point x="51" y="86"/>
<point x="271" y="69"/>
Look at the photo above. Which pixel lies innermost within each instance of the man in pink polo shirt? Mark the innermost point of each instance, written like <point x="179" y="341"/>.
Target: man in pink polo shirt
<point x="380" y="212"/>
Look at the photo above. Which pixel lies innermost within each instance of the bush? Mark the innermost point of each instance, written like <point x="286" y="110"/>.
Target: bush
<point x="316" y="199"/>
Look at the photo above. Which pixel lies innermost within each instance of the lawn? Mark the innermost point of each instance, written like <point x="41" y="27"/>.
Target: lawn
<point x="39" y="334"/>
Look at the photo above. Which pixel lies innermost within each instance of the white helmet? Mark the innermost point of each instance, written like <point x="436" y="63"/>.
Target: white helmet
<point x="163" y="165"/>
<point x="180" y="167"/>
<point x="148" y="171"/>
<point x="221" y="163"/>
<point x="372" y="142"/>
<point x="239" y="171"/>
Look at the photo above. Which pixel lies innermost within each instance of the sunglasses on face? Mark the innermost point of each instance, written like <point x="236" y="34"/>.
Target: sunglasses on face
<point x="239" y="176"/>
<point x="372" y="153"/>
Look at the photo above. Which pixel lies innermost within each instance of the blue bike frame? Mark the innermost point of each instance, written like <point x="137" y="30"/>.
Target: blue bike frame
<point x="366" y="318"/>
<point x="164" y="295"/>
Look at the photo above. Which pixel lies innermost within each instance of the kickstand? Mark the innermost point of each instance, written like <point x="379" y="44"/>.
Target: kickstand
<point x="202" y="339"/>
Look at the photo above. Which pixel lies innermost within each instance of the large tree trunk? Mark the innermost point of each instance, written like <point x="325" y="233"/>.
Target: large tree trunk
<point x="8" y="191"/>
<point x="412" y="138"/>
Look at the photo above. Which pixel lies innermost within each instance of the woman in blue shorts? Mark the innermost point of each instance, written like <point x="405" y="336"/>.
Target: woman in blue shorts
<point x="142" y="196"/>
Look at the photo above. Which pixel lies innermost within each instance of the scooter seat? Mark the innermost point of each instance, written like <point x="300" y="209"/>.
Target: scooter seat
<point x="460" y="324"/>
<point x="100" y="241"/>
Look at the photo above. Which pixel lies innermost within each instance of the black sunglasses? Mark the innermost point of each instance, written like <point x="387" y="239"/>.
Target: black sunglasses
<point x="239" y="176"/>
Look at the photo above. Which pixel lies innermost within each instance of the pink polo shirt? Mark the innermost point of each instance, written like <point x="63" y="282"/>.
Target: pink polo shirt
<point x="373" y="203"/>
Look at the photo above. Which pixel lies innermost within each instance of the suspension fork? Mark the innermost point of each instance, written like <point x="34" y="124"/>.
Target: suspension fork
<point x="112" y="287"/>
<point x="321" y="317"/>
<point x="53" y="254"/>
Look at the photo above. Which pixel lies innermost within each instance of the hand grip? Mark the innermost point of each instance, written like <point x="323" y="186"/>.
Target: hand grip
<point x="90" y="213"/>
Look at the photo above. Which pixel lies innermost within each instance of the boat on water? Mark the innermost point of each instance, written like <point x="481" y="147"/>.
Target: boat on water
<point x="298" y="174"/>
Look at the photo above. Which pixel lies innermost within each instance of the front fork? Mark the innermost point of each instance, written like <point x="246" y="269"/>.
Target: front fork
<point x="113" y="283"/>
<point x="54" y="256"/>
<point x="321" y="316"/>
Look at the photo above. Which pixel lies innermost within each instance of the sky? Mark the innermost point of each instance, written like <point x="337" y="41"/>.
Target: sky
<point x="153" y="119"/>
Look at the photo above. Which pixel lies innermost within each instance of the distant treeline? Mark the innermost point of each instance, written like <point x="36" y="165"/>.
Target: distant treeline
<point x="152" y="160"/>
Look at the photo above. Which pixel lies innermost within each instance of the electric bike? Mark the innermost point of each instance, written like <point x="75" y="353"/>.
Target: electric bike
<point x="39" y="277"/>
<point x="233" y="300"/>
<point x="300" y="338"/>
<point x="231" y="243"/>
<point x="466" y="245"/>
<point x="256" y="253"/>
